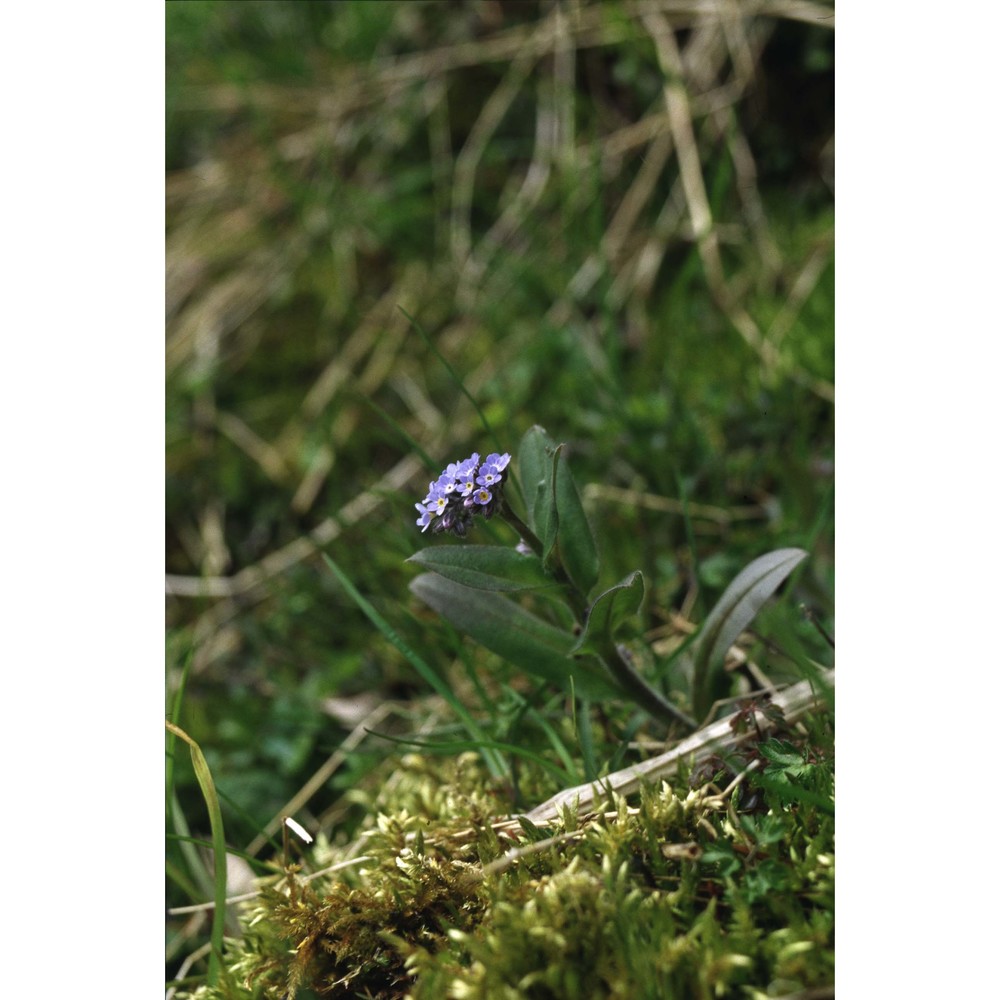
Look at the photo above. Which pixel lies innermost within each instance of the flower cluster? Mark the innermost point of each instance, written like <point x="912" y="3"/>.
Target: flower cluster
<point x="463" y="490"/>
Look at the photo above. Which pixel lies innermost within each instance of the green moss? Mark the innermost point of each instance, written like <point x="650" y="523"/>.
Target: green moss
<point x="681" y="894"/>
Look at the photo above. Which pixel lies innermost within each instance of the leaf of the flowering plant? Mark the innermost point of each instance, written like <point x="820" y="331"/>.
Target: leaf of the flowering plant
<point x="577" y="549"/>
<point x="534" y="463"/>
<point x="518" y="636"/>
<point x="608" y="612"/>
<point x="484" y="567"/>
<point x="546" y="514"/>
<point x="737" y="607"/>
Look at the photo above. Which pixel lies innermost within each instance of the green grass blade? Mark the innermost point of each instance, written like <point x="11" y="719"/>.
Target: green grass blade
<point x="454" y="375"/>
<point x="401" y="431"/>
<point x="201" y="878"/>
<point x="494" y="762"/>
<point x="175" y="714"/>
<point x="585" y="733"/>
<point x="556" y="743"/>
<point x="461" y="746"/>
<point x="204" y="776"/>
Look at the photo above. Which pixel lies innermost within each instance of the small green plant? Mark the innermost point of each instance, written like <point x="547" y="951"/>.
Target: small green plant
<point x="596" y="244"/>
<point x="712" y="894"/>
<point x="577" y="645"/>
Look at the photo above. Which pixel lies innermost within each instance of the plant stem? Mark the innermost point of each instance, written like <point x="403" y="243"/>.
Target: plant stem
<point x="576" y="599"/>
<point x="527" y="535"/>
<point x="647" y="697"/>
<point x="644" y="695"/>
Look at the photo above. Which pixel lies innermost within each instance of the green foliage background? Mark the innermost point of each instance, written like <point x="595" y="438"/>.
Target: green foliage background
<point x="523" y="179"/>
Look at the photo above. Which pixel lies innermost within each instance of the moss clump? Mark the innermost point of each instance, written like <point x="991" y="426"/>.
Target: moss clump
<point x="702" y="894"/>
<point x="338" y="943"/>
<point x="640" y="907"/>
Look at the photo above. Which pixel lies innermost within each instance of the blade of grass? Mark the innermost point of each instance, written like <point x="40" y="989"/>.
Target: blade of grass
<point x="688" y="527"/>
<point x="182" y="836"/>
<point x="526" y="710"/>
<point x="454" y="375"/>
<point x="204" y="776"/>
<point x="175" y="715"/>
<point x="555" y="741"/>
<point x="586" y="735"/>
<point x="179" y="877"/>
<point x="460" y="650"/>
<point x="461" y="746"/>
<point x="263" y="867"/>
<point x="493" y="761"/>
<point x="394" y="424"/>
<point x="618" y="758"/>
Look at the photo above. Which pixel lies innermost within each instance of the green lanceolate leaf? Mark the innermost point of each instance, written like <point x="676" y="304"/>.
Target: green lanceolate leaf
<point x="577" y="549"/>
<point x="610" y="609"/>
<point x="534" y="462"/>
<point x="518" y="636"/>
<point x="484" y="567"/>
<point x="547" y="515"/>
<point x="555" y="512"/>
<point x="604" y="617"/>
<point x="737" y="607"/>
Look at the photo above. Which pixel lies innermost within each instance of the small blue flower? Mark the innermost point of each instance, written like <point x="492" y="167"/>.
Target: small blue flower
<point x="464" y="489"/>
<point x="499" y="462"/>
<point x="426" y="516"/>
<point x="445" y="483"/>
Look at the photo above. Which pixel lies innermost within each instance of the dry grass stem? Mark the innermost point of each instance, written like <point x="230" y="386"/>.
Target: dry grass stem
<point x="668" y="505"/>
<point x="794" y="702"/>
<point x="252" y="577"/>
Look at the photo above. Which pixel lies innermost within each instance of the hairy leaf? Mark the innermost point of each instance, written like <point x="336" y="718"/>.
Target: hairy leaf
<point x="577" y="549"/>
<point x="484" y="567"/>
<point x="518" y="636"/>
<point x="737" y="607"/>
<point x="609" y="610"/>
<point x="534" y="462"/>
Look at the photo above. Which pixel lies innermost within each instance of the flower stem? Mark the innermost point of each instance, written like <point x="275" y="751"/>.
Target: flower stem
<point x="647" y="697"/>
<point x="643" y="694"/>
<point x="527" y="535"/>
<point x="576" y="599"/>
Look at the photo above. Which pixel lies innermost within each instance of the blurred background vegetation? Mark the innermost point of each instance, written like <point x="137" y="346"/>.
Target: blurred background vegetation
<point x="613" y="219"/>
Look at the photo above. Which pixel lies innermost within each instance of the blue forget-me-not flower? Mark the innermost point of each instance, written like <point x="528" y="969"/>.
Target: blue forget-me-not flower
<point x="464" y="489"/>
